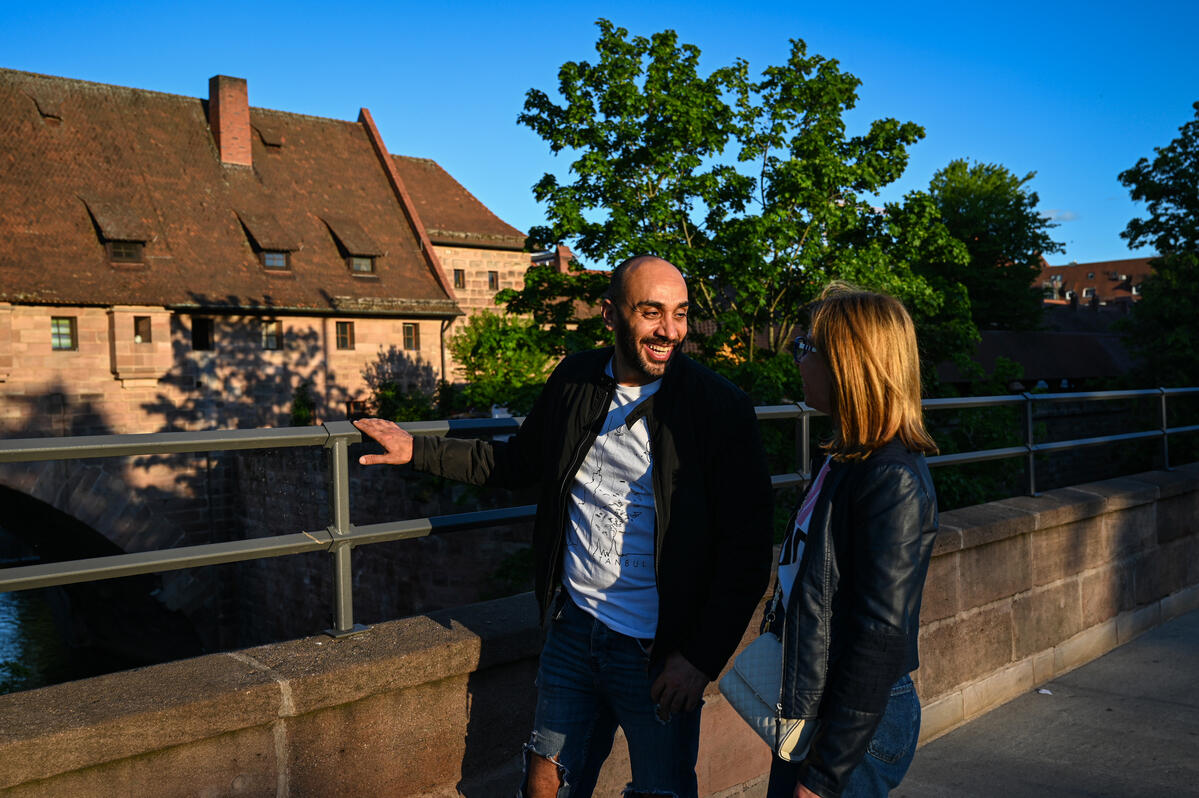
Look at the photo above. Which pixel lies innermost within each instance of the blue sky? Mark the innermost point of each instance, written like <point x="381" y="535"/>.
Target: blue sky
<point x="1075" y="91"/>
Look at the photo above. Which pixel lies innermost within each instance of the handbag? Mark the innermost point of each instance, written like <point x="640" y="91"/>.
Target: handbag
<point x="754" y="687"/>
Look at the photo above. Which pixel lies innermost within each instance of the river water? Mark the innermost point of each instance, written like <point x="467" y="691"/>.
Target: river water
<point x="33" y="649"/>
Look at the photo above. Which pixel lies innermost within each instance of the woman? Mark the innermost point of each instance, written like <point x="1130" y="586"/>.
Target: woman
<point x="852" y="569"/>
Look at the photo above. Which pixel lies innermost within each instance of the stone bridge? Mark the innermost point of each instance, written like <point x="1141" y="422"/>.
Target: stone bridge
<point x="1019" y="592"/>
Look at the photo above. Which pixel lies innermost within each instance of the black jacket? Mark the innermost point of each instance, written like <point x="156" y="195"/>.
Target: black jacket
<point x="712" y="493"/>
<point x="852" y="619"/>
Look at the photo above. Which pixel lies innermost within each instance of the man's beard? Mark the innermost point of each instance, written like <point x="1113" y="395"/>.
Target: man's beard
<point x="630" y="348"/>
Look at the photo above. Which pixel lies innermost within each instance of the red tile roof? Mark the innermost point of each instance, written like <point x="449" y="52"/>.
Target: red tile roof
<point x="451" y="214"/>
<point x="1112" y="279"/>
<point x="81" y="163"/>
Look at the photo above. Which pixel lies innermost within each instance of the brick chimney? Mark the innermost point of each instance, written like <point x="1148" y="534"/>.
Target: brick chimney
<point x="229" y="118"/>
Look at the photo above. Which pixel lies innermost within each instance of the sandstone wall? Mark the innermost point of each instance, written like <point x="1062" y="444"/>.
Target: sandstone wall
<point x="1020" y="591"/>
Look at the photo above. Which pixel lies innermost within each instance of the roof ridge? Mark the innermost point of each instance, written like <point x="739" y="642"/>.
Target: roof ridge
<point x="189" y="97"/>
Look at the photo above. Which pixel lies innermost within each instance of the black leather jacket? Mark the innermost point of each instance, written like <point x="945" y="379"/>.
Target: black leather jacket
<point x="712" y="496"/>
<point x="851" y="622"/>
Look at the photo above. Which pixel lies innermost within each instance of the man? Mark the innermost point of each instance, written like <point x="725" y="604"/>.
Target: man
<point x="652" y="542"/>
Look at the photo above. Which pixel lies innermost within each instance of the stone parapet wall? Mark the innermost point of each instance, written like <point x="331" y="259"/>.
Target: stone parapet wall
<point x="438" y="705"/>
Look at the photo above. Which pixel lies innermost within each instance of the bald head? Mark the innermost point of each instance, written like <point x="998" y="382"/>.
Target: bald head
<point x="618" y="287"/>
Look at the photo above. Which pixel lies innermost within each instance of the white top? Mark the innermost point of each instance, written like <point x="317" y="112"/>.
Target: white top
<point x="792" y="551"/>
<point x="609" y="557"/>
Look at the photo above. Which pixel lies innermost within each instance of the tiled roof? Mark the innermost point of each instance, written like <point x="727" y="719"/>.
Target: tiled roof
<point x="451" y="214"/>
<point x="1112" y="279"/>
<point x="81" y="163"/>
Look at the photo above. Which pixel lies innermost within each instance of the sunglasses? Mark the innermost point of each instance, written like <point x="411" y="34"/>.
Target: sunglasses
<point x="801" y="347"/>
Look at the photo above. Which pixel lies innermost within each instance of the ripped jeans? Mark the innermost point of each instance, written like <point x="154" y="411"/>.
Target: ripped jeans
<point x="591" y="680"/>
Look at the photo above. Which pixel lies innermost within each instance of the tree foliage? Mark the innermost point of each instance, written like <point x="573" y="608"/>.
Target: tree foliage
<point x="753" y="188"/>
<point x="503" y="359"/>
<point x="994" y="213"/>
<point x="1161" y="328"/>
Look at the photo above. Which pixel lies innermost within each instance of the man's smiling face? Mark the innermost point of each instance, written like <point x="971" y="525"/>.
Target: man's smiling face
<point x="649" y="319"/>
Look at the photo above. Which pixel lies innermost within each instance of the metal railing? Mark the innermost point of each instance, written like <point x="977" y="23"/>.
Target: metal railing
<point x="340" y="536"/>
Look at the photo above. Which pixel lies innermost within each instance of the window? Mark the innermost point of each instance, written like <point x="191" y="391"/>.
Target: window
<point x="201" y="334"/>
<point x="1136" y="289"/>
<point x="142" y="330"/>
<point x="1090" y="275"/>
<point x="125" y="251"/>
<point x="412" y="336"/>
<point x="355" y="408"/>
<point x="345" y="335"/>
<point x="493" y="281"/>
<point x="460" y="278"/>
<point x="274" y="259"/>
<point x="64" y="334"/>
<point x="272" y="334"/>
<point x="1088" y="292"/>
<point x="361" y="265"/>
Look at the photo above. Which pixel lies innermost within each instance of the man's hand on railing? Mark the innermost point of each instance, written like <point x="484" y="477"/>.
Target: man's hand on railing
<point x="396" y="442"/>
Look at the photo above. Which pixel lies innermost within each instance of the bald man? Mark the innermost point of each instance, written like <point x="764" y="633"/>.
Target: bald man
<point x="652" y="543"/>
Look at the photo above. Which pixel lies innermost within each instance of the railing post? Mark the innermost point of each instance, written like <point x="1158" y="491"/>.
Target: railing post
<point x="803" y="436"/>
<point x="338" y="445"/>
<point x="1028" y="442"/>
<point x="1165" y="432"/>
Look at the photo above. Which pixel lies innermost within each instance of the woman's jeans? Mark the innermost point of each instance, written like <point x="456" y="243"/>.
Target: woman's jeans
<point x="888" y="755"/>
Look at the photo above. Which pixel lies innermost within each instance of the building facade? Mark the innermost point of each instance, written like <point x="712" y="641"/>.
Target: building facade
<point x="171" y="262"/>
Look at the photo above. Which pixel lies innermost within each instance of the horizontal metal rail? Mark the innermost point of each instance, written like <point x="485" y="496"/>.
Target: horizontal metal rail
<point x="340" y="536"/>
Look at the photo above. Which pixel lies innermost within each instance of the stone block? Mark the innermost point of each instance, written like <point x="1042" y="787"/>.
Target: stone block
<point x="994" y="571"/>
<point x="1045" y="617"/>
<point x="1084" y="647"/>
<point x="959" y="650"/>
<point x="998" y="687"/>
<point x="987" y="523"/>
<point x="241" y="763"/>
<point x="1106" y="592"/>
<point x="1180" y="481"/>
<point x="1175" y="564"/>
<point x="1134" y="623"/>
<point x="942" y="589"/>
<point x="1131" y="531"/>
<point x="949" y="539"/>
<point x="1042" y="667"/>
<point x="1180" y="603"/>
<point x="940" y="716"/>
<point x="1149" y="576"/>
<point x="1062" y="551"/>
<point x="1121" y="493"/>
<point x="77" y="725"/>
<point x="1178" y="516"/>
<point x="1057" y="507"/>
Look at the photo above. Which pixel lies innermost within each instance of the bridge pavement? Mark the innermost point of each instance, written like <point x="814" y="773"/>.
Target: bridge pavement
<point x="1124" y="725"/>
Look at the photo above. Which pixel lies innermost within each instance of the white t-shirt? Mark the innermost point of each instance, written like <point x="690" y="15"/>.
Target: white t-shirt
<point x="609" y="557"/>
<point x="792" y="551"/>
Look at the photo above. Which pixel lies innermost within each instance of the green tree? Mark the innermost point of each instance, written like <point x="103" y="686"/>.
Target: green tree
<point x="1161" y="328"/>
<point x="753" y="188"/>
<point x="503" y="359"/>
<point x="994" y="213"/>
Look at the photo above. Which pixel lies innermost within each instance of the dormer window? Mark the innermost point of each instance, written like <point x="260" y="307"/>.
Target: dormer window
<point x="274" y="259"/>
<point x="121" y="227"/>
<point x="358" y="247"/>
<point x="270" y="240"/>
<point x="126" y="251"/>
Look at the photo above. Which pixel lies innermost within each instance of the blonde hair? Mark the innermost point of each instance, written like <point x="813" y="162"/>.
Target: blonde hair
<point x="869" y="343"/>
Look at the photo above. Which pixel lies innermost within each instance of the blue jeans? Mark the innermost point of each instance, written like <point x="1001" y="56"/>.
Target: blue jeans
<point x="888" y="756"/>
<point x="591" y="680"/>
